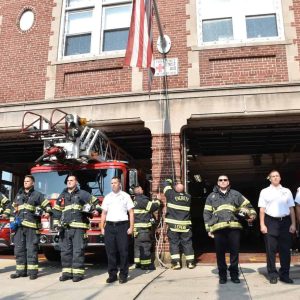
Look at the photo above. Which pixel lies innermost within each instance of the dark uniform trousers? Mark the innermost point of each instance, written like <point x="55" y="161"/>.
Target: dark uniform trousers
<point x="181" y="239"/>
<point x="142" y="246"/>
<point x="26" y="242"/>
<point x="73" y="242"/>
<point x="116" y="241"/>
<point x="278" y="239"/>
<point x="227" y="239"/>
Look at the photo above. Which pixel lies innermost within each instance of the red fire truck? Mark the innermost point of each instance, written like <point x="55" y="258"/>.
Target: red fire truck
<point x="71" y="147"/>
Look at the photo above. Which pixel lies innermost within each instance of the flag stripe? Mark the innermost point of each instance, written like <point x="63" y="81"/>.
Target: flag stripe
<point x="139" y="51"/>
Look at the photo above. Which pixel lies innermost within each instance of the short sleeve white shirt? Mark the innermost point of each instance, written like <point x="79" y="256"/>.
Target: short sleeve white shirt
<point x="297" y="199"/>
<point x="117" y="206"/>
<point x="276" y="201"/>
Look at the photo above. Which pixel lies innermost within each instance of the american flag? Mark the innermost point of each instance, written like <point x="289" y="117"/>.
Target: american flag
<point x="139" y="52"/>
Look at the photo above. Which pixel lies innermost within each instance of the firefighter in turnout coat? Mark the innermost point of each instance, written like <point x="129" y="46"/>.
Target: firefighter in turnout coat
<point x="143" y="209"/>
<point x="27" y="209"/>
<point x="4" y="206"/>
<point x="221" y="211"/>
<point x="71" y="218"/>
<point x="179" y="224"/>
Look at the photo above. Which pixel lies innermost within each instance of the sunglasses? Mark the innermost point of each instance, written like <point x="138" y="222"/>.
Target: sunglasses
<point x="222" y="179"/>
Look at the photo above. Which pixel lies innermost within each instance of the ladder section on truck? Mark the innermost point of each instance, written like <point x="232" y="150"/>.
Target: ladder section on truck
<point x="67" y="137"/>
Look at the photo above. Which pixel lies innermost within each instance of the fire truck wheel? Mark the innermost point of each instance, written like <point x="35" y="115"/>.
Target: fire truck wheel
<point x="51" y="254"/>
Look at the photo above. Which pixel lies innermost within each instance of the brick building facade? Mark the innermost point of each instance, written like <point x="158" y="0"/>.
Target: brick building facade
<point x="238" y="72"/>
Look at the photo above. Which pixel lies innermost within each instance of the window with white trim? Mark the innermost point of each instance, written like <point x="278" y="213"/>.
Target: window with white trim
<point x="94" y="27"/>
<point x="239" y="21"/>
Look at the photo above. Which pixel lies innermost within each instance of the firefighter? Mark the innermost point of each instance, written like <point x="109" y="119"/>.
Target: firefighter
<point x="179" y="224"/>
<point x="4" y="206"/>
<point x="143" y="209"/>
<point x="27" y="209"/>
<point x="71" y="219"/>
<point x="222" y="223"/>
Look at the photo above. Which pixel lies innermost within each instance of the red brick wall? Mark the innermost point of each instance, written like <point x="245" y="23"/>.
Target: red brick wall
<point x="92" y="78"/>
<point x="245" y="65"/>
<point x="23" y="58"/>
<point x="165" y="155"/>
<point x="23" y="55"/>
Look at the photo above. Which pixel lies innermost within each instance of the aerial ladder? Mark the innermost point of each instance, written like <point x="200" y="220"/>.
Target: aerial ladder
<point x="68" y="139"/>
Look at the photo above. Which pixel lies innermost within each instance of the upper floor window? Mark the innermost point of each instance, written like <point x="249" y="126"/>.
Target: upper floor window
<point x="239" y="21"/>
<point x="92" y="27"/>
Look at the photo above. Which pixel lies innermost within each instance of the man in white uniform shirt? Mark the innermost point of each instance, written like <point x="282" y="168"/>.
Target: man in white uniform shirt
<point x="116" y="227"/>
<point x="277" y="223"/>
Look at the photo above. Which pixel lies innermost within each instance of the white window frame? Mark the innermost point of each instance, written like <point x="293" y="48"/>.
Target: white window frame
<point x="98" y="7"/>
<point x="238" y="16"/>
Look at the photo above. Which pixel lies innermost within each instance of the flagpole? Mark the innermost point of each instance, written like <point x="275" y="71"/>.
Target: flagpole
<point x="161" y="33"/>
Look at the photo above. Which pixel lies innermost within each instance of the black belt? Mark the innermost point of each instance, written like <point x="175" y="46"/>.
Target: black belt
<point x="278" y="218"/>
<point x="116" y="223"/>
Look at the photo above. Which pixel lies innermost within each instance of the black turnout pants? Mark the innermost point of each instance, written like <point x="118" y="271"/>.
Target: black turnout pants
<point x="26" y="242"/>
<point x="227" y="239"/>
<point x="116" y="241"/>
<point x="278" y="239"/>
<point x="181" y="239"/>
<point x="142" y="247"/>
<point x="72" y="245"/>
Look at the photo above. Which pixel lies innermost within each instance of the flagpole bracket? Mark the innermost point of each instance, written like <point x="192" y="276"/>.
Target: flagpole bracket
<point x="163" y="45"/>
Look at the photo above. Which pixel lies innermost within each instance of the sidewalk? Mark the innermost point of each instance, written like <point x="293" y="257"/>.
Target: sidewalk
<point x="162" y="284"/>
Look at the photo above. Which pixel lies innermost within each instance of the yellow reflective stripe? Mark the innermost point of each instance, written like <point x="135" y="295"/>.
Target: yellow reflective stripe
<point x="78" y="271"/>
<point x="207" y="227"/>
<point x="179" y="207"/>
<point x="4" y="200"/>
<point x="140" y="211"/>
<point x="189" y="257"/>
<point x="179" y="230"/>
<point x="45" y="203"/>
<point x="26" y="206"/>
<point x="137" y="260"/>
<point x="32" y="267"/>
<point x="208" y="207"/>
<point x="226" y="207"/>
<point x="57" y="207"/>
<point x="67" y="270"/>
<point x="171" y="221"/>
<point x="29" y="224"/>
<point x="167" y="188"/>
<point x="252" y="212"/>
<point x="20" y="267"/>
<point x="174" y="256"/>
<point x="148" y="207"/>
<point x="222" y="225"/>
<point x="142" y="225"/>
<point x="93" y="199"/>
<point x="7" y="211"/>
<point x="73" y="206"/>
<point x="55" y="222"/>
<point x="79" y="225"/>
<point x="145" y="261"/>
<point x="245" y="203"/>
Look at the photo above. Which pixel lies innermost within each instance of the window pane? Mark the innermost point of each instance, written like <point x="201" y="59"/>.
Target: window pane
<point x="261" y="26"/>
<point x="7" y="176"/>
<point x="78" y="44"/>
<point x="115" y="39"/>
<point x="117" y="17"/>
<point x="217" y="30"/>
<point x="79" y="22"/>
<point x="79" y="2"/>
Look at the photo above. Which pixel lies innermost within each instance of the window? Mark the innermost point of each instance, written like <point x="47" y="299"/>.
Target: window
<point x="94" y="27"/>
<point x="6" y="183"/>
<point x="239" y="21"/>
